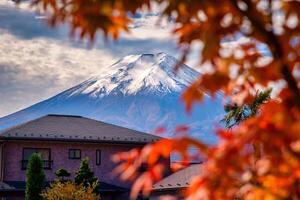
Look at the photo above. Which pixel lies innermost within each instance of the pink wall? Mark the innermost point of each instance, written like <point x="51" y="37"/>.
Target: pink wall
<point x="60" y="156"/>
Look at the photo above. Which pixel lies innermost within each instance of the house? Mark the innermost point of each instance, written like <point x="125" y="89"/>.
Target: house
<point x="62" y="141"/>
<point x="176" y="183"/>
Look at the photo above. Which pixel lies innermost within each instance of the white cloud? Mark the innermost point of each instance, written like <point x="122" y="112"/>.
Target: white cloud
<point x="37" y="62"/>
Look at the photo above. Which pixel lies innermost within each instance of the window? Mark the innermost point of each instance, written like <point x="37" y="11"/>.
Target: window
<point x="45" y="155"/>
<point x="74" y="154"/>
<point x="98" y="157"/>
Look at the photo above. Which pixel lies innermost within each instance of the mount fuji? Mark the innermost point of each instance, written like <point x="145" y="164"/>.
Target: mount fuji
<point x="141" y="92"/>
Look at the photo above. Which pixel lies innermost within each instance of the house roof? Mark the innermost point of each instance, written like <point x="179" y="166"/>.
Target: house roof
<point x="75" y="128"/>
<point x="5" y="186"/>
<point x="21" y="186"/>
<point x="178" y="180"/>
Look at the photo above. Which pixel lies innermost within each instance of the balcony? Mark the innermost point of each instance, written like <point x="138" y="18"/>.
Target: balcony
<point x="46" y="163"/>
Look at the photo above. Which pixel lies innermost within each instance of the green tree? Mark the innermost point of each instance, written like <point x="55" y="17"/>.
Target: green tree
<point x="235" y="114"/>
<point x="85" y="176"/>
<point x="62" y="173"/>
<point x="35" y="178"/>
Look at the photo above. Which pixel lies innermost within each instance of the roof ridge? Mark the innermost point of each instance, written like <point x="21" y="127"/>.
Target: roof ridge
<point x="63" y="115"/>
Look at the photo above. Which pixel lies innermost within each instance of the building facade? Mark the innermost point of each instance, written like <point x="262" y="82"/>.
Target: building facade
<point x="62" y="142"/>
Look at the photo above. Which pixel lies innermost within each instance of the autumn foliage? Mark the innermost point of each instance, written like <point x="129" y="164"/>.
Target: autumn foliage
<point x="69" y="191"/>
<point x="233" y="170"/>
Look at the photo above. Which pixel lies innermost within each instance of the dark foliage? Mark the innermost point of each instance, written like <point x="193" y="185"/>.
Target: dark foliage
<point x="85" y="176"/>
<point x="35" y="178"/>
<point x="62" y="173"/>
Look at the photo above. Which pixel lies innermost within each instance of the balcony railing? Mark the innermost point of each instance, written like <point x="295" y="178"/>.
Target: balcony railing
<point x="47" y="164"/>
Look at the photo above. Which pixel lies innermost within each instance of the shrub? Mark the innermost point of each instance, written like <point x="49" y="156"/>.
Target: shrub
<point x="62" y="173"/>
<point x="69" y="191"/>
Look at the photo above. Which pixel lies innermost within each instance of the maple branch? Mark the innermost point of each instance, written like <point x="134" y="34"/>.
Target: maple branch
<point x="272" y="41"/>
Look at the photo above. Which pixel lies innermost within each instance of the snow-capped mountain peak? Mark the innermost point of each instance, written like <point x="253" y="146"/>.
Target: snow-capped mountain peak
<point x="134" y="74"/>
<point x="140" y="92"/>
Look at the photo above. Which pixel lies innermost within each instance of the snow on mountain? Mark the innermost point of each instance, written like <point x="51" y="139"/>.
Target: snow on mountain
<point x="138" y="73"/>
<point x="141" y="92"/>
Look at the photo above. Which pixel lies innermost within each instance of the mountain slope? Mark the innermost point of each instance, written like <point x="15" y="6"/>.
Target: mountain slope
<point x="139" y="92"/>
<point x="146" y="73"/>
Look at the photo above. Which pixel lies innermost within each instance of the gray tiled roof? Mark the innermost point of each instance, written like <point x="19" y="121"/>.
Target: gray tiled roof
<point x="178" y="180"/>
<point x="5" y="186"/>
<point x="75" y="128"/>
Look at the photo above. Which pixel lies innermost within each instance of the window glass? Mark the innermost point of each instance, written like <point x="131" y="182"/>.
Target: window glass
<point x="98" y="157"/>
<point x="71" y="154"/>
<point x="74" y="153"/>
<point x="44" y="153"/>
<point x="77" y="153"/>
<point x="27" y="152"/>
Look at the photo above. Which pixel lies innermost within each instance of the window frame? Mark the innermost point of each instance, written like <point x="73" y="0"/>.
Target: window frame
<point x="49" y="160"/>
<point x="98" y="157"/>
<point x="74" y="157"/>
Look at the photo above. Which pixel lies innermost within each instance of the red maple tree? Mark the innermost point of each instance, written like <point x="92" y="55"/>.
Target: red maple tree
<point x="232" y="169"/>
